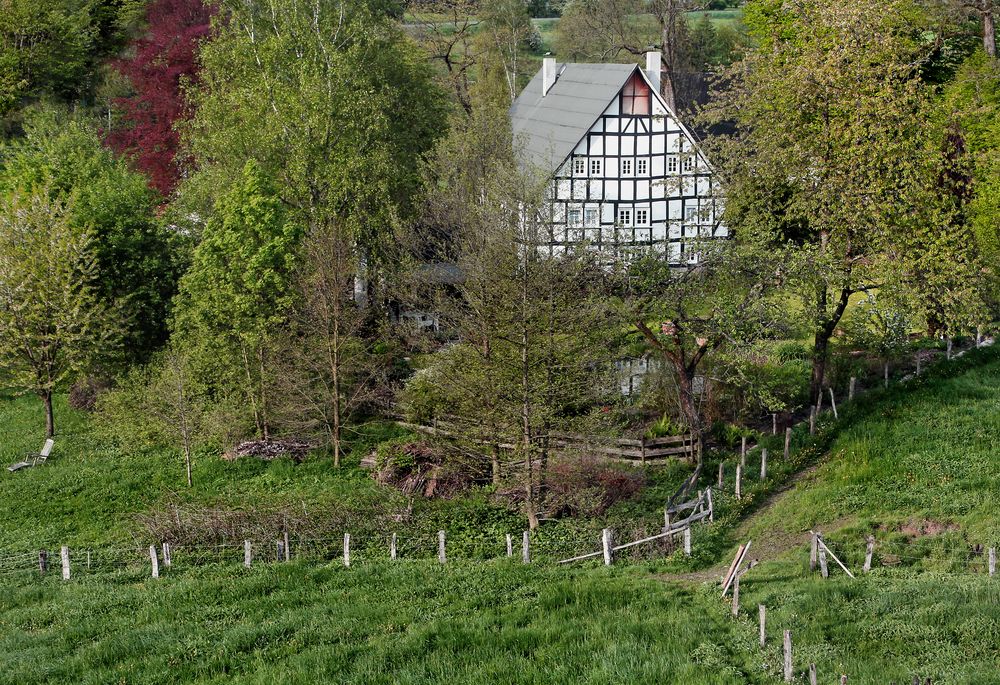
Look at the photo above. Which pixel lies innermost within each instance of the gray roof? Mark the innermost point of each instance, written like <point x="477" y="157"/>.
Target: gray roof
<point x="548" y="128"/>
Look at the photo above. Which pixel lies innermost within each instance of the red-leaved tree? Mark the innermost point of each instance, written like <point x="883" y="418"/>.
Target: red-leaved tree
<point x="160" y="61"/>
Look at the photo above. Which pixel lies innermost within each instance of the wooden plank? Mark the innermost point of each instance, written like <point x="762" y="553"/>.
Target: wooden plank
<point x="736" y="595"/>
<point x="741" y="554"/>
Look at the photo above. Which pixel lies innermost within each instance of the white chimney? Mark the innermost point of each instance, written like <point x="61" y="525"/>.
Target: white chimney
<point x="653" y="60"/>
<point x="548" y="74"/>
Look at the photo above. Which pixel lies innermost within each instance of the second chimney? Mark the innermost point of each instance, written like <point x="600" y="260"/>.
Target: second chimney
<point x="548" y="74"/>
<point x="653" y="60"/>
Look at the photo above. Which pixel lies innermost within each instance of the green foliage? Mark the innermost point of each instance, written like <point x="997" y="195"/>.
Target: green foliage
<point x="663" y="427"/>
<point x="137" y="256"/>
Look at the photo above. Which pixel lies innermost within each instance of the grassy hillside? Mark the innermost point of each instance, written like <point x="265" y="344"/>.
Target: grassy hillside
<point x="917" y="465"/>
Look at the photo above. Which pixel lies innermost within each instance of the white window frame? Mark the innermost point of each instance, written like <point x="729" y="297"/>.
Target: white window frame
<point x="672" y="165"/>
<point x="642" y="216"/>
<point x="595" y="167"/>
<point x="625" y="216"/>
<point x="574" y="216"/>
<point x="626" y="167"/>
<point x="579" y="166"/>
<point x="688" y="164"/>
<point x="641" y="167"/>
<point x="591" y="217"/>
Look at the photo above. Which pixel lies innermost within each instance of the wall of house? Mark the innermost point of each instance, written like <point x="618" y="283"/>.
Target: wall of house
<point x="636" y="183"/>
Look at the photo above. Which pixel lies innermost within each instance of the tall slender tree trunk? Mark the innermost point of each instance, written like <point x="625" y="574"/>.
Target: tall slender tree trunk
<point x="335" y="375"/>
<point x="667" y="72"/>
<point x="50" y="421"/>
<point x="989" y="31"/>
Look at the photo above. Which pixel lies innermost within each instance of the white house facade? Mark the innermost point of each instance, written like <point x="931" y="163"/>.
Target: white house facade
<point x="627" y="177"/>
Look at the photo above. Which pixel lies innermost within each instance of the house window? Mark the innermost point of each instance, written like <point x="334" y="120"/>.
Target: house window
<point x="635" y="96"/>
<point x="672" y="165"/>
<point x="595" y="167"/>
<point x="625" y="217"/>
<point x="590" y="217"/>
<point x="689" y="164"/>
<point x="690" y="214"/>
<point x="626" y="167"/>
<point x="574" y="217"/>
<point x="642" y="167"/>
<point x="579" y="166"/>
<point x="642" y="217"/>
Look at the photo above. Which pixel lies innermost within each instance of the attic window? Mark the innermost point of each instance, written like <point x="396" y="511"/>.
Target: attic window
<point x="635" y="96"/>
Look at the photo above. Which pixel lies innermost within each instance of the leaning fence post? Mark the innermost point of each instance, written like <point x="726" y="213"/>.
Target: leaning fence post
<point x="722" y="473"/>
<point x="687" y="541"/>
<point x="788" y="442"/>
<point x="993" y="560"/>
<point x="762" y="620"/>
<point x="852" y="388"/>
<point x="711" y="506"/>
<point x="43" y="561"/>
<point x="441" y="555"/>
<point x="525" y="548"/>
<point x="510" y="545"/>
<point x="154" y="562"/>
<point x="869" y="549"/>
<point x="739" y="481"/>
<point x="65" y="562"/>
<point x="833" y="403"/>
<point x="166" y="554"/>
<point x="347" y="549"/>
<point x="247" y="553"/>
<point x="788" y="656"/>
<point x="392" y="548"/>
<point x="607" y="547"/>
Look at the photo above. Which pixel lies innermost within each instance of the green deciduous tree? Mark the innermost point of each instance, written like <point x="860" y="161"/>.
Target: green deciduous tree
<point x="52" y="322"/>
<point x="238" y="294"/>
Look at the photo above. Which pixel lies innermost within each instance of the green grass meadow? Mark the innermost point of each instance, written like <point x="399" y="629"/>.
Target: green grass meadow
<point x="916" y="465"/>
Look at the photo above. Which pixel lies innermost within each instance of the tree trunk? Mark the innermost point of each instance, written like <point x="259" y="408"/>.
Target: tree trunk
<point x="885" y="373"/>
<point x="50" y="421"/>
<point x="666" y="73"/>
<point x="495" y="463"/>
<point x="989" y="32"/>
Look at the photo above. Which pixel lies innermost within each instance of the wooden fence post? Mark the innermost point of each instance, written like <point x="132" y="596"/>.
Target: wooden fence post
<point x="65" y="562"/>
<point x="247" y="553"/>
<point x="822" y="562"/>
<point x="843" y="680"/>
<point x="788" y="442"/>
<point x="722" y="473"/>
<point x="869" y="550"/>
<point x="736" y="594"/>
<point x="763" y="464"/>
<point x="948" y="352"/>
<point x="711" y="506"/>
<point x="526" y="548"/>
<point x="441" y="555"/>
<point x="88" y="559"/>
<point x="852" y="388"/>
<point x="347" y="549"/>
<point x="166" y="554"/>
<point x="510" y="545"/>
<point x="279" y="550"/>
<point x="739" y="481"/>
<point x="812" y="420"/>
<point x="43" y="561"/>
<point x="833" y="404"/>
<point x="774" y="424"/>
<point x="762" y="621"/>
<point x="666" y="519"/>
<point x="743" y="450"/>
<point x="993" y="561"/>
<point x="819" y="401"/>
<point x="687" y="541"/>
<point x="812" y="674"/>
<point x="607" y="546"/>
<point x="154" y="561"/>
<point x="288" y="548"/>
<point x="392" y="548"/>
<point x="788" y="656"/>
<point x="813" y="551"/>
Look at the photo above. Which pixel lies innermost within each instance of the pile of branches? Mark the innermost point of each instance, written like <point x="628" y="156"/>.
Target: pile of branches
<point x="269" y="450"/>
<point x="432" y="471"/>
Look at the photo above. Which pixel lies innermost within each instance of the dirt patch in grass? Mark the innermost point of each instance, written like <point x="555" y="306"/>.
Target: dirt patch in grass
<point x="927" y="527"/>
